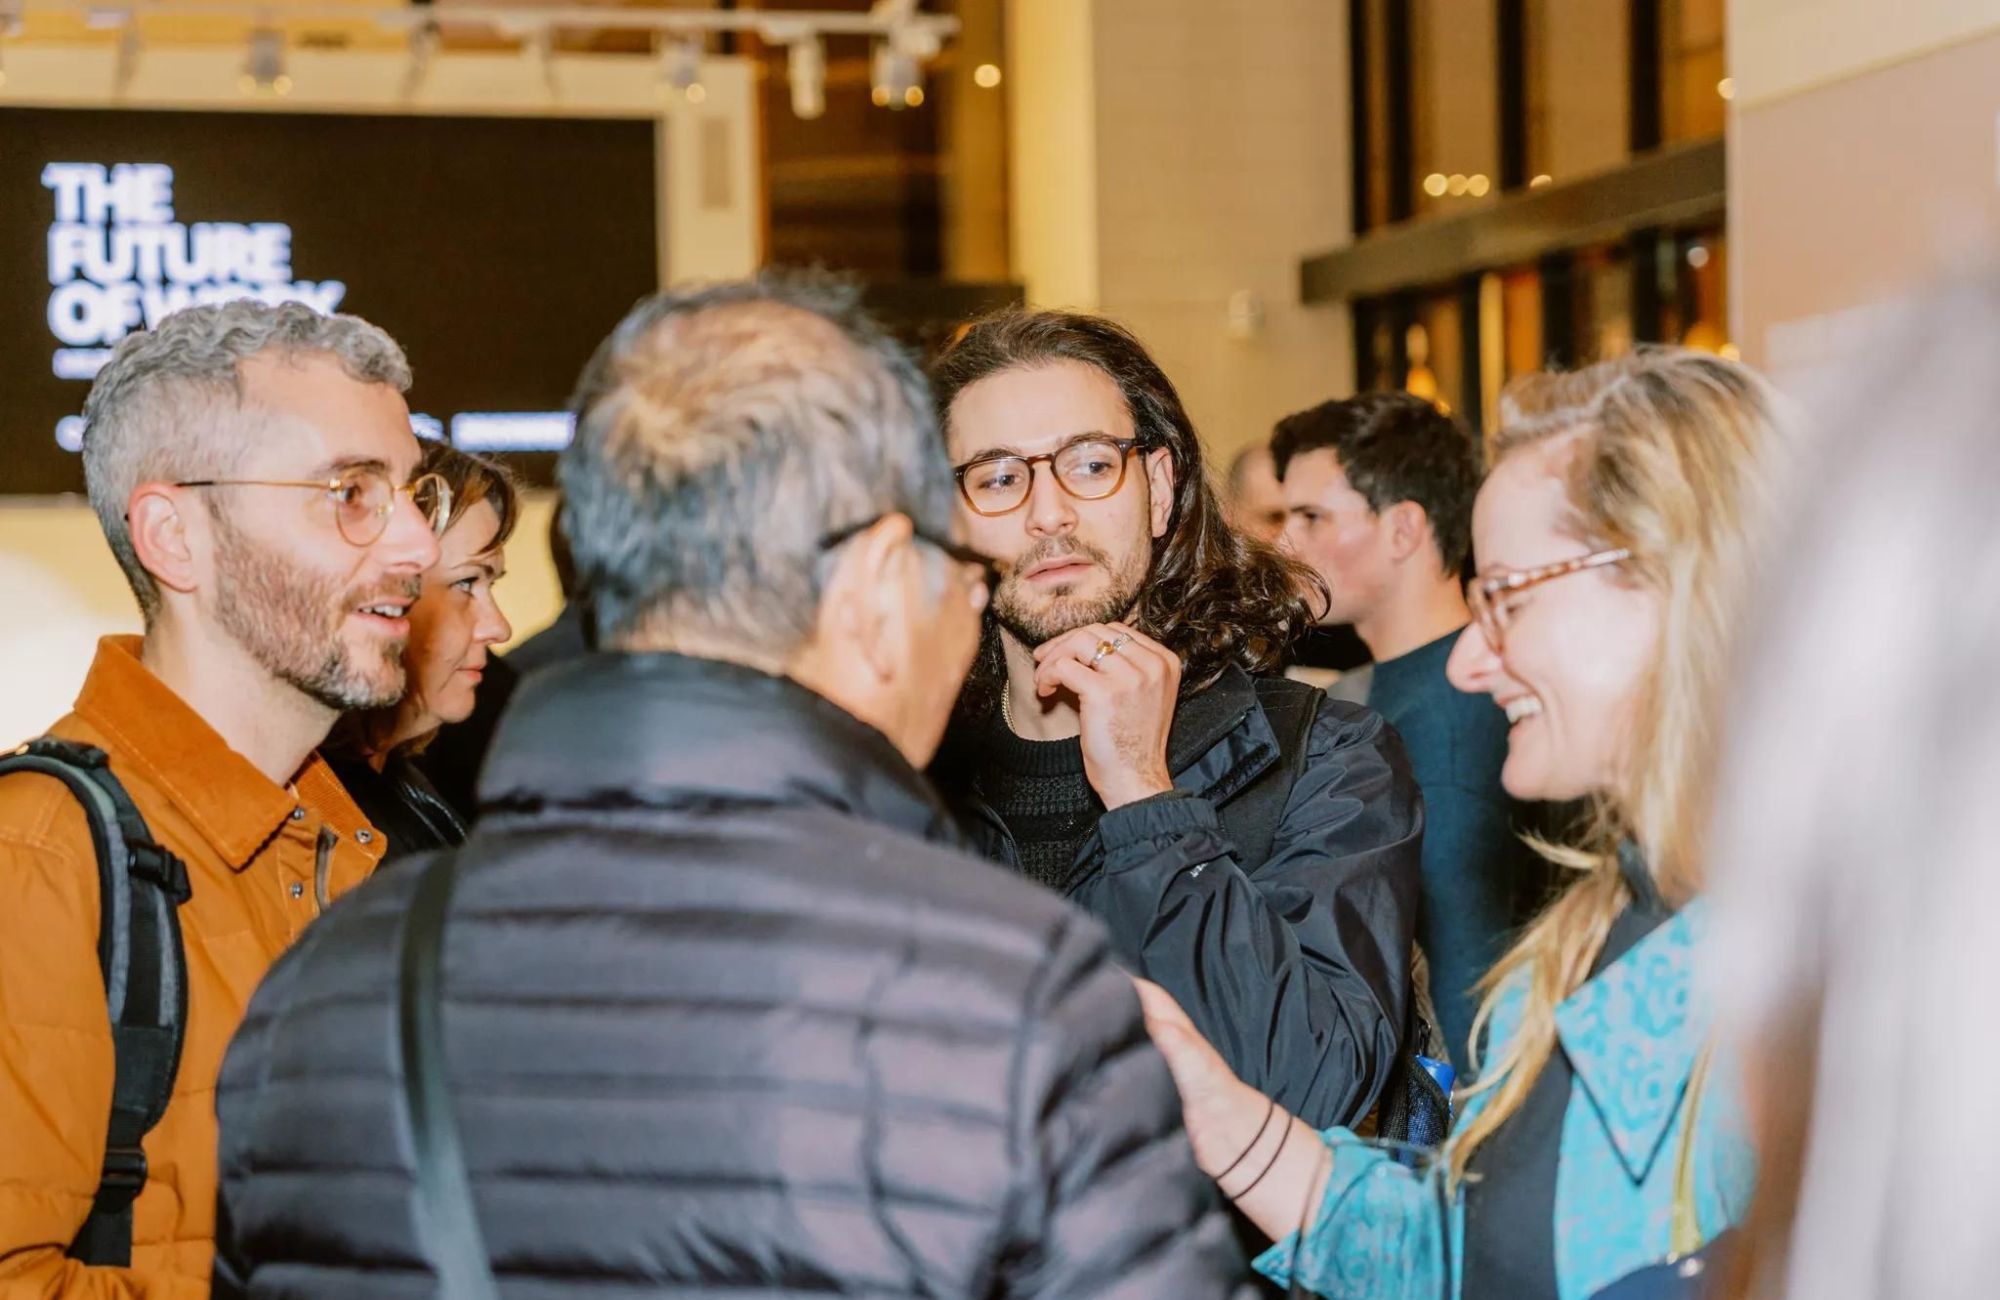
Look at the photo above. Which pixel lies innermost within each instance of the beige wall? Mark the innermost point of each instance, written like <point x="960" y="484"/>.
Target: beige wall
<point x="1864" y="162"/>
<point x="1169" y="154"/>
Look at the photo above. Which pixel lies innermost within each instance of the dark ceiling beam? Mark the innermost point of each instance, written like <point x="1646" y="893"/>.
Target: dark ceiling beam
<point x="1673" y="187"/>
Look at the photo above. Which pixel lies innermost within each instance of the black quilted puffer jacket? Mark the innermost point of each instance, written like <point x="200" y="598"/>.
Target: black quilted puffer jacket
<point x="725" y="1013"/>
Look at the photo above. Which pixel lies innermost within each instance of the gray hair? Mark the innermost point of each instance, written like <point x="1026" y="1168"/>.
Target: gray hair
<point x="168" y="406"/>
<point x="722" y="433"/>
<point x="1854" y="842"/>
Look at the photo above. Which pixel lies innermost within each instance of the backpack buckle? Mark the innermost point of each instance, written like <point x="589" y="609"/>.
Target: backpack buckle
<point x="163" y="868"/>
<point x="123" y="1177"/>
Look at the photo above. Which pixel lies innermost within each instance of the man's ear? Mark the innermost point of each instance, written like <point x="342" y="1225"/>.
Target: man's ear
<point x="1409" y="529"/>
<point x="862" y="602"/>
<point x="1160" y="479"/>
<point x="170" y="534"/>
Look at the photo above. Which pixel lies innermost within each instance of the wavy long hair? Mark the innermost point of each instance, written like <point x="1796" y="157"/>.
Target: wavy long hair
<point x="1670" y="460"/>
<point x="1213" y="595"/>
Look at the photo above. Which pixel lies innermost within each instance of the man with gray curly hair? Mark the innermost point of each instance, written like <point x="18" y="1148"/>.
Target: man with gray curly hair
<point x="251" y="467"/>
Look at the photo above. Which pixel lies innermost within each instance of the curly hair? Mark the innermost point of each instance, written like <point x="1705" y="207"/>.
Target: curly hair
<point x="1213" y="596"/>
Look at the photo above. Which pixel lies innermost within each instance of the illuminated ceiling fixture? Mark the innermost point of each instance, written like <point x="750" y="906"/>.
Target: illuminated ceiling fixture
<point x="1434" y="185"/>
<point x="986" y="76"/>
<point x="1726" y="88"/>
<point x="895" y="79"/>
<point x="805" y="69"/>
<point x="423" y="49"/>
<point x="896" y="67"/>
<point x="264" y="64"/>
<point x="680" y="69"/>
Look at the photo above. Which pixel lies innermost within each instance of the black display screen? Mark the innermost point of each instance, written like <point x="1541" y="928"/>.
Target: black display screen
<point x="498" y="252"/>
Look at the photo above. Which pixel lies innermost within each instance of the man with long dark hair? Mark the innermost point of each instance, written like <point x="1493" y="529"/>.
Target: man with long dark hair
<point x="1123" y="739"/>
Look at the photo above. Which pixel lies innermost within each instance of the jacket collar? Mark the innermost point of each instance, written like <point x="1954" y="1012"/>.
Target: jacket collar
<point x="665" y="730"/>
<point x="235" y="808"/>
<point x="1221" y="740"/>
<point x="1632" y="1035"/>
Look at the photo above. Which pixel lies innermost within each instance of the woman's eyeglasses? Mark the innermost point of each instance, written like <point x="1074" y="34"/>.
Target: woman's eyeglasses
<point x="1488" y="594"/>
<point x="363" y="499"/>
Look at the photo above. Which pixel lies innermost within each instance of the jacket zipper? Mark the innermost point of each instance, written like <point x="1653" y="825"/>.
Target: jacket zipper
<point x="323" y="865"/>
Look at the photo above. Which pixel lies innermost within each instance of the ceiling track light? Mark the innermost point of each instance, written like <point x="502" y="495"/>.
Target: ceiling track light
<point x="680" y="68"/>
<point x="264" y="63"/>
<point x="896" y="79"/>
<point x="904" y="37"/>
<point x="805" y="70"/>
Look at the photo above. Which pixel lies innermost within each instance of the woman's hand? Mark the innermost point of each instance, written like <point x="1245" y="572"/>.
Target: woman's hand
<point x="1271" y="1164"/>
<point x="1222" y="1113"/>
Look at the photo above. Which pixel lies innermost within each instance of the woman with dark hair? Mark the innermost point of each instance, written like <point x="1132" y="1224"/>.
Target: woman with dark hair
<point x="1125" y="740"/>
<point x="452" y="626"/>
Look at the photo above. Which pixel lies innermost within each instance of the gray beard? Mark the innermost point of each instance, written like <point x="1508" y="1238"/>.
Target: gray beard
<point x="288" y="618"/>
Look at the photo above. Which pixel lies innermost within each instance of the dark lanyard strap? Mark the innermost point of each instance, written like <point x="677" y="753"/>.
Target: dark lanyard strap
<point x="447" y="1224"/>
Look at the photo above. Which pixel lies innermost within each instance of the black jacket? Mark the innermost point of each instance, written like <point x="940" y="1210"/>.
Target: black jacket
<point x="719" y="1019"/>
<point x="401" y="802"/>
<point x="1297" y="968"/>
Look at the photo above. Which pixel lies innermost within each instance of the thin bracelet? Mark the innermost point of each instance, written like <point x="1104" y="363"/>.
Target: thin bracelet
<point x="1283" y="1138"/>
<point x="1269" y="1111"/>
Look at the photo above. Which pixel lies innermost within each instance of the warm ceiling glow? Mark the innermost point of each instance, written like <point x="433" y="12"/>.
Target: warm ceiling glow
<point x="1477" y="185"/>
<point x="1434" y="185"/>
<point x="1726" y="87"/>
<point x="986" y="76"/>
<point x="914" y="96"/>
<point x="1540" y="181"/>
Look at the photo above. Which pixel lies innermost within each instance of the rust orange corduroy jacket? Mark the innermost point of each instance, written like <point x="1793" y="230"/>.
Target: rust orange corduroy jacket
<point x="263" y="860"/>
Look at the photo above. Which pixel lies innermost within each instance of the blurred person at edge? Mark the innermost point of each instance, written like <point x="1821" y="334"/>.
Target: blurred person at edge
<point x="1857" y="896"/>
<point x="255" y="475"/>
<point x="1379" y="489"/>
<point x="1603" y="1131"/>
<point x="1123" y="712"/>
<point x="453" y="626"/>
<point x="1328" y="655"/>
<point x="728" y="1010"/>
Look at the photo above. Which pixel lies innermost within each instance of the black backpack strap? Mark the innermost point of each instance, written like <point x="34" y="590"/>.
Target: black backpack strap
<point x="1252" y="817"/>
<point x="140" y="889"/>
<point x="447" y="1220"/>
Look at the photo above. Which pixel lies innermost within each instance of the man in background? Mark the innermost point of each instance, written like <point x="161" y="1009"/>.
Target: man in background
<point x="1379" y="489"/>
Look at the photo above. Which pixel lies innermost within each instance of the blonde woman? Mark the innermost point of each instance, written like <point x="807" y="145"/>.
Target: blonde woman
<point x="1602" y="1133"/>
